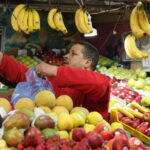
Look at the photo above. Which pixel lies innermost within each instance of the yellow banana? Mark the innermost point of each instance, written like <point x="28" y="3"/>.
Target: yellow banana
<point x="135" y="49"/>
<point x="25" y="24"/>
<point x="76" y="20"/>
<point x="58" y="21"/>
<point x="14" y="16"/>
<point x="127" y="47"/>
<point x="134" y="23"/>
<point x="87" y="21"/>
<point x="20" y="18"/>
<point x="81" y="22"/>
<point x="50" y="18"/>
<point x="30" y="21"/>
<point x="143" y="20"/>
<point x="36" y="19"/>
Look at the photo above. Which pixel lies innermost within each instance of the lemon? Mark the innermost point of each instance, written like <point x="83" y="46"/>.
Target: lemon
<point x="78" y="120"/>
<point x="59" y="109"/>
<point x="24" y="103"/>
<point x="63" y="134"/>
<point x="5" y="104"/>
<point x="66" y="101"/>
<point x="94" y="118"/>
<point x="116" y="125"/>
<point x="88" y="127"/>
<point x="45" y="98"/>
<point x="82" y="114"/>
<point x="45" y="109"/>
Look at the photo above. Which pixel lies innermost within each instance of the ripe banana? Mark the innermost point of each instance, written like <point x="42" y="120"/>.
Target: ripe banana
<point x="58" y="21"/>
<point x="50" y="18"/>
<point x="30" y="21"/>
<point x="20" y="18"/>
<point x="134" y="23"/>
<point x="36" y="19"/>
<point x="76" y="20"/>
<point x="135" y="49"/>
<point x="25" y="24"/>
<point x="143" y="20"/>
<point x="87" y="21"/>
<point x="81" y="22"/>
<point x="127" y="47"/>
<point x="14" y="16"/>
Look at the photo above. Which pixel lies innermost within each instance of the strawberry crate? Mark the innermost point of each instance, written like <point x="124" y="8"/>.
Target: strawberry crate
<point x="133" y="132"/>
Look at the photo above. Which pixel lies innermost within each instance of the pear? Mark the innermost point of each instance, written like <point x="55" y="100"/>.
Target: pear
<point x="19" y="120"/>
<point x="65" y="122"/>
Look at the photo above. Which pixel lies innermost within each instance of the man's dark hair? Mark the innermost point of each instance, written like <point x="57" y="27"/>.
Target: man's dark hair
<point x="90" y="51"/>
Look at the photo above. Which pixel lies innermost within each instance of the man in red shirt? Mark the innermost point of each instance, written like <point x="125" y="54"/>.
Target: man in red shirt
<point x="76" y="78"/>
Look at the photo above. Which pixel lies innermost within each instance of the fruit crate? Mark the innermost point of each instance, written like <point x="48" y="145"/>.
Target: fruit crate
<point x="133" y="132"/>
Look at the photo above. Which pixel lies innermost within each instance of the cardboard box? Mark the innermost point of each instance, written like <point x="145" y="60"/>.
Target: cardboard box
<point x="5" y="94"/>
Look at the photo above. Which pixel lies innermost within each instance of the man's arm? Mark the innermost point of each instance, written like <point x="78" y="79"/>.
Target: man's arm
<point x="11" y="69"/>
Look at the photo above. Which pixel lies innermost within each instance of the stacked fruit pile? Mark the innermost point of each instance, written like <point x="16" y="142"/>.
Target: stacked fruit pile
<point x="25" y="19"/>
<point x="26" y="60"/>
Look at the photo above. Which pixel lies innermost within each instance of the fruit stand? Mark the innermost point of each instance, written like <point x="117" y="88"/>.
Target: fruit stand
<point x="42" y="121"/>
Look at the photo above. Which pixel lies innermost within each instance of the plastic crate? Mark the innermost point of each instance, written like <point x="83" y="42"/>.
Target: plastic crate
<point x="134" y="132"/>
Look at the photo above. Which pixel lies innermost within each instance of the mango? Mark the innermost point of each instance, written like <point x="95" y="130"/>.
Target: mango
<point x="49" y="133"/>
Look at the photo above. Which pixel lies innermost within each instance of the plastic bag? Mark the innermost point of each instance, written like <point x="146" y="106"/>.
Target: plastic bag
<point x="31" y="87"/>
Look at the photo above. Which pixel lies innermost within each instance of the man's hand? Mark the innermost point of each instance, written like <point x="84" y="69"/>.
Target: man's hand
<point x="44" y="69"/>
<point x="1" y="57"/>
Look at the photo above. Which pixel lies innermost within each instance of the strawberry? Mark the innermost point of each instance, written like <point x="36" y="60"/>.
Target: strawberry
<point x="40" y="147"/>
<point x="38" y="139"/>
<point x="20" y="146"/>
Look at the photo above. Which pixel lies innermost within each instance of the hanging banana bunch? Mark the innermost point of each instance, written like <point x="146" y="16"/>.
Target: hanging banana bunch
<point x="131" y="49"/>
<point x="25" y="19"/>
<point x="55" y="20"/>
<point x="82" y="21"/>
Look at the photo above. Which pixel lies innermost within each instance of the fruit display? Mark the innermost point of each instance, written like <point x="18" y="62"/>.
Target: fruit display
<point x="131" y="49"/>
<point x="26" y="60"/>
<point x="139" y="22"/>
<point x="25" y="19"/>
<point x="55" y="20"/>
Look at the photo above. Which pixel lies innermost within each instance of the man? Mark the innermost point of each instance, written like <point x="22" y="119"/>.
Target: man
<point x="76" y="78"/>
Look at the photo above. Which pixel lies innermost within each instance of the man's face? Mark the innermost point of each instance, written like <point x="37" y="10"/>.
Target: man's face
<point x="75" y="58"/>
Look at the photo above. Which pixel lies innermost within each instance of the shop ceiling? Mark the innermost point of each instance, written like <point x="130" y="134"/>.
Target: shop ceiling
<point x="110" y="6"/>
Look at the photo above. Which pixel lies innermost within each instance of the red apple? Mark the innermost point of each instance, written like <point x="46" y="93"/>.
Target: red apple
<point x="146" y="124"/>
<point x="108" y="146"/>
<point x="101" y="127"/>
<point x="107" y="135"/>
<point x="147" y="148"/>
<point x="121" y="95"/>
<point x="96" y="141"/>
<point x="141" y="128"/>
<point x="137" y="148"/>
<point x="135" y="142"/>
<point x="146" y="116"/>
<point x="126" y="120"/>
<point x="84" y="144"/>
<point x="90" y="134"/>
<point x="115" y="92"/>
<point x="147" y="132"/>
<point x="120" y="143"/>
<point x="133" y="94"/>
<point x="136" y="122"/>
<point x="120" y="115"/>
<point x="78" y="134"/>
<point x="119" y="131"/>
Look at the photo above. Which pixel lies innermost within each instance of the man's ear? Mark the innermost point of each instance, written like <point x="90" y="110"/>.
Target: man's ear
<point x="88" y="63"/>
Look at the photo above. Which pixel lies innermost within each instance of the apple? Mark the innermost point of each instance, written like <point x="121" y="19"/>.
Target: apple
<point x="107" y="135"/>
<point x="133" y="94"/>
<point x="146" y="124"/>
<point x="126" y="120"/>
<point x="120" y="115"/>
<point x="146" y="116"/>
<point x="120" y="144"/>
<point x="135" y="142"/>
<point x="147" y="148"/>
<point x="147" y="132"/>
<point x="119" y="131"/>
<point x="90" y="133"/>
<point x="84" y="144"/>
<point x="141" y="128"/>
<point x="78" y="134"/>
<point x="136" y="122"/>
<point x="121" y="95"/>
<point x="101" y="127"/>
<point x="108" y="146"/>
<point x="95" y="141"/>
<point x="137" y="148"/>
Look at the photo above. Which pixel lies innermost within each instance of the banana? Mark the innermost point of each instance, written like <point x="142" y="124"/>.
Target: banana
<point x="20" y="18"/>
<point x="50" y="18"/>
<point x="87" y="21"/>
<point x="143" y="20"/>
<point x="25" y="29"/>
<point x="58" y="21"/>
<point x="134" y="23"/>
<point x="14" y="16"/>
<point x="36" y="19"/>
<point x="76" y="20"/>
<point x="30" y="21"/>
<point x="127" y="47"/>
<point x="139" y="107"/>
<point x="135" y="49"/>
<point x="81" y="22"/>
